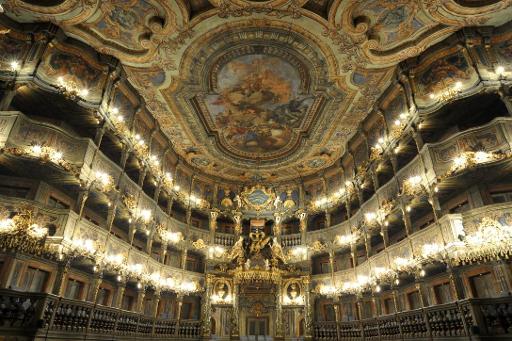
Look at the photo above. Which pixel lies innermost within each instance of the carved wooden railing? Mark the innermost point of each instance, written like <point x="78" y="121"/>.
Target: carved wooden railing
<point x="35" y="314"/>
<point x="489" y="318"/>
<point x="291" y="240"/>
<point x="224" y="239"/>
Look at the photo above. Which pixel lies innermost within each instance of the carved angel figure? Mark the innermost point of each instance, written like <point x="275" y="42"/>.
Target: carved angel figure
<point x="237" y="250"/>
<point x="277" y="202"/>
<point x="237" y="201"/>
<point x="277" y="251"/>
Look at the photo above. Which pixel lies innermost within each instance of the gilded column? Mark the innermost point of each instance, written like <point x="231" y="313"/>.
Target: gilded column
<point x="327" y="219"/>
<point x="95" y="287"/>
<point x="184" y="254"/>
<point x="62" y="271"/>
<point x="213" y="224"/>
<point x="455" y="283"/>
<point x="238" y="224"/>
<point x="206" y="311"/>
<point x="179" y="301"/>
<point x="156" y="301"/>
<point x="235" y="332"/>
<point x="303" y="226"/>
<point x="279" y="312"/>
<point x="406" y="218"/>
<point x="308" y="309"/>
<point x="278" y="218"/>
<point x="141" y="295"/>
<point x="118" y="301"/>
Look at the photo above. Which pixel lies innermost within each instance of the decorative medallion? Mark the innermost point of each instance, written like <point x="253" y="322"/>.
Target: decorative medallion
<point x="257" y="198"/>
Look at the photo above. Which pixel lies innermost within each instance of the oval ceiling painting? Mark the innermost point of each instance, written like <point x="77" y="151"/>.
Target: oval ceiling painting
<point x="258" y="102"/>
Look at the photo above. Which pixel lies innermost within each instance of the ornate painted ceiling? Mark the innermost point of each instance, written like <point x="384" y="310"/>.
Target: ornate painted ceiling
<point x="270" y="89"/>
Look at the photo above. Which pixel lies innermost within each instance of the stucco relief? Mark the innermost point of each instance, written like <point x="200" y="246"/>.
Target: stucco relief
<point x="357" y="47"/>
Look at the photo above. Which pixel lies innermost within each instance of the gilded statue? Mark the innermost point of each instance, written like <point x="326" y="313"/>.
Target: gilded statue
<point x="258" y="241"/>
<point x="226" y="201"/>
<point x="237" y="251"/>
<point x="277" y="251"/>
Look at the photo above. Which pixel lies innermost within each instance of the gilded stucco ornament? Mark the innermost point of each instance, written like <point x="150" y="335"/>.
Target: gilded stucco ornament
<point x="257" y="198"/>
<point x="348" y="54"/>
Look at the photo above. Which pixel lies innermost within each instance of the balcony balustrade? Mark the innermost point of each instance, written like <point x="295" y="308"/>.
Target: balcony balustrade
<point x="482" y="319"/>
<point x="45" y="315"/>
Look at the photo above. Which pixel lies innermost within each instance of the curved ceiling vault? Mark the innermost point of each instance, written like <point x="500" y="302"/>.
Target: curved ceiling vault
<point x="260" y="90"/>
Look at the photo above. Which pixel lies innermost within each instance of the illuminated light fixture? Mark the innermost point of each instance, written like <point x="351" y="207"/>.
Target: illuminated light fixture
<point x="171" y="237"/>
<point x="145" y="215"/>
<point x="397" y="281"/>
<point x="397" y="122"/>
<point x="188" y="286"/>
<point x="500" y="70"/>
<point x="136" y="268"/>
<point x="415" y="180"/>
<point x="370" y="216"/>
<point x="7" y="225"/>
<point x="481" y="157"/>
<point x="346" y="239"/>
<point x="155" y="160"/>
<point x="216" y="251"/>
<point x="423" y="273"/>
<point x="37" y="150"/>
<point x="114" y="110"/>
<point x="378" y="288"/>
<point x="300" y="252"/>
<point x="408" y="208"/>
<point x="432" y="96"/>
<point x="412" y="186"/>
<point x="105" y="180"/>
<point x="139" y="285"/>
<point x="460" y="161"/>
<point x="403" y="116"/>
<point x="321" y="202"/>
<point x="37" y="231"/>
<point x="84" y="246"/>
<point x="114" y="259"/>
<point x="56" y="156"/>
<point x="436" y="189"/>
<point x="381" y="140"/>
<point x="119" y="278"/>
<point x="15" y="65"/>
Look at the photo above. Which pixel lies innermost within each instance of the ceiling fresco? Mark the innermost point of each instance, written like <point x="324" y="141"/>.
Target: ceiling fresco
<point x="251" y="90"/>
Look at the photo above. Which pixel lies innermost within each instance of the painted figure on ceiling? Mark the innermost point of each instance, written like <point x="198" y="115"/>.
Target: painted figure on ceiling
<point x="258" y="103"/>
